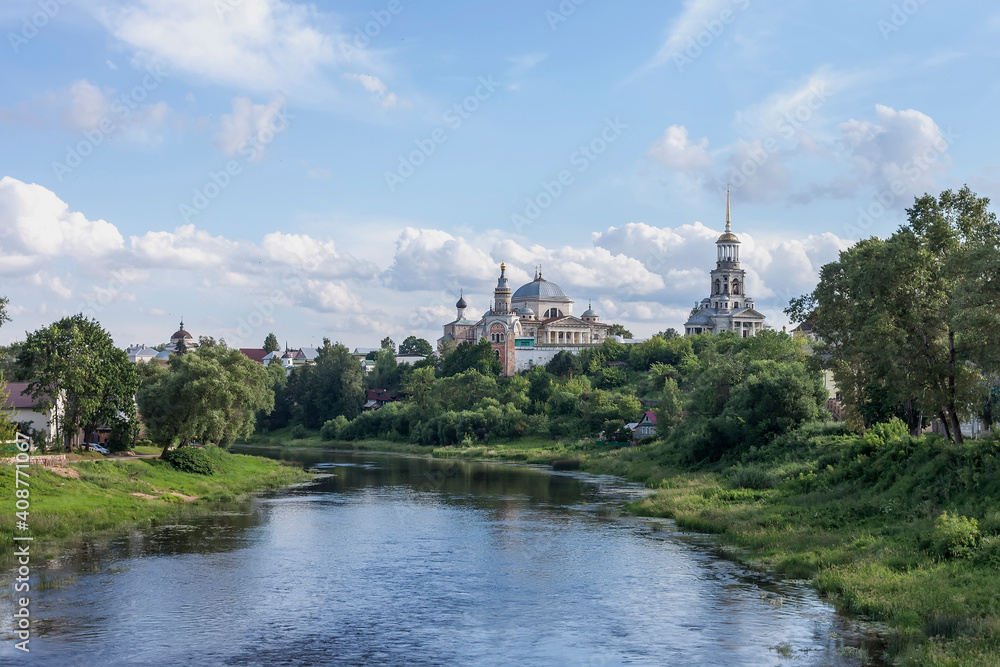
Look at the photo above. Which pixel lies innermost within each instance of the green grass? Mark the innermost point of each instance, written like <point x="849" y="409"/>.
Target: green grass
<point x="106" y="495"/>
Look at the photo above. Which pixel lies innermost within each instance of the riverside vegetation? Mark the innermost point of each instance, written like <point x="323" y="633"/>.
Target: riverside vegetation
<point x="894" y="525"/>
<point x="95" y="495"/>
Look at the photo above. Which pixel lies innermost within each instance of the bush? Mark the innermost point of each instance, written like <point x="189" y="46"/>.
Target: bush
<point x="298" y="432"/>
<point x="955" y="536"/>
<point x="751" y="477"/>
<point x="190" y="459"/>
<point x="331" y="429"/>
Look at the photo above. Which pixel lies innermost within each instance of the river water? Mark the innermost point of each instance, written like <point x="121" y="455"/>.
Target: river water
<point x="399" y="560"/>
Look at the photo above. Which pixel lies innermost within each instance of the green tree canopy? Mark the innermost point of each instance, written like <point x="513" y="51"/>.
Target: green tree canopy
<point x="388" y="344"/>
<point x="619" y="330"/>
<point x="212" y="394"/>
<point x="467" y="356"/>
<point x="78" y="358"/>
<point x="271" y="343"/>
<point x="333" y="386"/>
<point x="414" y="345"/>
<point x="907" y="321"/>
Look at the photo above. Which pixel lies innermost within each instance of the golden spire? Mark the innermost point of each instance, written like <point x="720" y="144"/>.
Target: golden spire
<point x="728" y="224"/>
<point x="503" y="267"/>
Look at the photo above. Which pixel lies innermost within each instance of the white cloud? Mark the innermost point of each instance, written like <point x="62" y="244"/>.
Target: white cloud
<point x="259" y="45"/>
<point x="86" y="106"/>
<point x="35" y="223"/>
<point x="430" y="259"/>
<point x="904" y="148"/>
<point x="675" y="151"/>
<point x="185" y="248"/>
<point x="376" y="86"/>
<point x="794" y="115"/>
<point x="250" y="124"/>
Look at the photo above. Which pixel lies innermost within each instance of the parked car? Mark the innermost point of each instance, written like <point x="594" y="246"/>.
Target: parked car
<point x="97" y="447"/>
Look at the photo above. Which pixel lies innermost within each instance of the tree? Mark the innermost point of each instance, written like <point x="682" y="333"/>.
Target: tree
<point x="77" y="358"/>
<point x="4" y="317"/>
<point x="619" y="330"/>
<point x="388" y="344"/>
<point x="564" y="364"/>
<point x="670" y="409"/>
<point x="668" y="334"/>
<point x="271" y="343"/>
<point x="333" y="386"/>
<point x="467" y="356"/>
<point x="903" y="320"/>
<point x="414" y="345"/>
<point x="386" y="373"/>
<point x="212" y="394"/>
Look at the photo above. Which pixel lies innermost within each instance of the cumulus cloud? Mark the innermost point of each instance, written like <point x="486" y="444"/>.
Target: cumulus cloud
<point x="675" y="150"/>
<point x="904" y="149"/>
<point x="316" y="256"/>
<point x="430" y="259"/>
<point x="259" y="45"/>
<point x="35" y="223"/>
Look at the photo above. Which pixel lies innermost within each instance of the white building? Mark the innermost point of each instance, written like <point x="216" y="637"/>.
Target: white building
<point x="729" y="307"/>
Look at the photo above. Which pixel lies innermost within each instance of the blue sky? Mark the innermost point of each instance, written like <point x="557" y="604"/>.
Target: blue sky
<point x="343" y="169"/>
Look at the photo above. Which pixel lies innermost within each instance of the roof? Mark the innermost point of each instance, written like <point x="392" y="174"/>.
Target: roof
<point x="309" y="353"/>
<point x="649" y="417"/>
<point x="254" y="353"/>
<point x="728" y="237"/>
<point x="19" y="399"/>
<point x="540" y="288"/>
<point x="701" y="317"/>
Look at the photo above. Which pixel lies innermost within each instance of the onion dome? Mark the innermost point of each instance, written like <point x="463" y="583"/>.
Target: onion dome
<point x="461" y="301"/>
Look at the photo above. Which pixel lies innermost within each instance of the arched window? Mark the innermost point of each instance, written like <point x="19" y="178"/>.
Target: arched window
<point x="718" y="286"/>
<point x="736" y="286"/>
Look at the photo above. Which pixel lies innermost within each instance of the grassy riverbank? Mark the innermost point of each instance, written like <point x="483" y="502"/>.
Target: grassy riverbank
<point x="98" y="495"/>
<point x="860" y="517"/>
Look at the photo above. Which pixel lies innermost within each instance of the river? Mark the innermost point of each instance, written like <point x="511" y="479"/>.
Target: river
<point x="399" y="560"/>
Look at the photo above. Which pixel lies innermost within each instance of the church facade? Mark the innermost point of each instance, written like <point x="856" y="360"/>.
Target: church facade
<point x="729" y="307"/>
<point x="529" y="326"/>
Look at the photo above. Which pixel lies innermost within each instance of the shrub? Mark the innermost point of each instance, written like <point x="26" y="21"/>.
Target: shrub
<point x="298" y="432"/>
<point x="190" y="459"/>
<point x="955" y="536"/>
<point x="331" y="429"/>
<point x="751" y="477"/>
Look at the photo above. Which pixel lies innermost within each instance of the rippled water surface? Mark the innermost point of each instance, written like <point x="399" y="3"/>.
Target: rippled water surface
<point x="406" y="561"/>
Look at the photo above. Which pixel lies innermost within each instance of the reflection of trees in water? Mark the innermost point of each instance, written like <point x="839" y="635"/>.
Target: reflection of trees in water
<point x="213" y="528"/>
<point x="467" y="483"/>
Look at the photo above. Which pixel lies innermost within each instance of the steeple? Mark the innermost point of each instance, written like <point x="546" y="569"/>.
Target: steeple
<point x="501" y="295"/>
<point x="729" y="227"/>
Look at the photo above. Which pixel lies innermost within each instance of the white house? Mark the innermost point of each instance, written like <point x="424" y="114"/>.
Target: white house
<point x="21" y="407"/>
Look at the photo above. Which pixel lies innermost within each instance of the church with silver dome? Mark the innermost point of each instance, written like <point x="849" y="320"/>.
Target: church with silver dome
<point x="728" y="308"/>
<point x="529" y="326"/>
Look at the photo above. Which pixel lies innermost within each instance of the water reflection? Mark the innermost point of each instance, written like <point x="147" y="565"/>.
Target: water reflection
<point x="402" y="560"/>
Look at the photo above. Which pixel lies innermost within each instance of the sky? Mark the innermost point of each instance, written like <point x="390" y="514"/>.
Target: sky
<point x="345" y="170"/>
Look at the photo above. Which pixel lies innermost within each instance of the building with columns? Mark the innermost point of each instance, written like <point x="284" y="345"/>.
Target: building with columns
<point x="729" y="307"/>
<point x="529" y="326"/>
